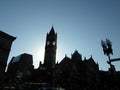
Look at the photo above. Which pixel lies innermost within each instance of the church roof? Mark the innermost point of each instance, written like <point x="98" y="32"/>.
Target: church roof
<point x="65" y="64"/>
<point x="65" y="59"/>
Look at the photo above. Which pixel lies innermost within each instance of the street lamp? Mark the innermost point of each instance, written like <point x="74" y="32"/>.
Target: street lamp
<point x="107" y="49"/>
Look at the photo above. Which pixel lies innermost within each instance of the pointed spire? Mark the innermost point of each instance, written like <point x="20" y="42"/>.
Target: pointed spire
<point x="52" y="31"/>
<point x="65" y="55"/>
<point x="85" y="58"/>
<point x="91" y="56"/>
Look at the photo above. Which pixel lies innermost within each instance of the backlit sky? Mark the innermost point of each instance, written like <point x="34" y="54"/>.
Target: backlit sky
<point x="80" y="25"/>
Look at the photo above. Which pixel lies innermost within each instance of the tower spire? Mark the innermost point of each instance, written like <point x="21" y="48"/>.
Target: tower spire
<point x="52" y="31"/>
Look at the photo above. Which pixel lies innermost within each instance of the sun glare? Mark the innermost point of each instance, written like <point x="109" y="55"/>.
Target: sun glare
<point x="38" y="52"/>
<point x="38" y="55"/>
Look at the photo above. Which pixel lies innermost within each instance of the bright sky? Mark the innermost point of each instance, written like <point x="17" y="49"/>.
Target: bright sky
<point x="80" y="24"/>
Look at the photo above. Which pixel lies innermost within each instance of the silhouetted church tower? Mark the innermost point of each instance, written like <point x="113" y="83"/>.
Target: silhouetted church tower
<point x="50" y="50"/>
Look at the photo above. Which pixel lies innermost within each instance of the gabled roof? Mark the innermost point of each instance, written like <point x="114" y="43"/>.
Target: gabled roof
<point x="65" y="60"/>
<point x="90" y="61"/>
<point x="76" y="56"/>
<point x="65" y="64"/>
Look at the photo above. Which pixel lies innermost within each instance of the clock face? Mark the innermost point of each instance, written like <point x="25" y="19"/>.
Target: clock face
<point x="48" y="42"/>
<point x="53" y="43"/>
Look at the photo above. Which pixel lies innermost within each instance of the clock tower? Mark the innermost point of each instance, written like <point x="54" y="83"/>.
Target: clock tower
<point x="50" y="50"/>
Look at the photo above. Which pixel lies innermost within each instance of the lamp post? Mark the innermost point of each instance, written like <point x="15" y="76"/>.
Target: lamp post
<point x="107" y="49"/>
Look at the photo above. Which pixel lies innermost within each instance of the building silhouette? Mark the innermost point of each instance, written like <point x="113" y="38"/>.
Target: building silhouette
<point x="5" y="47"/>
<point x="76" y="73"/>
<point x="71" y="73"/>
<point x="50" y="50"/>
<point x="20" y="65"/>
